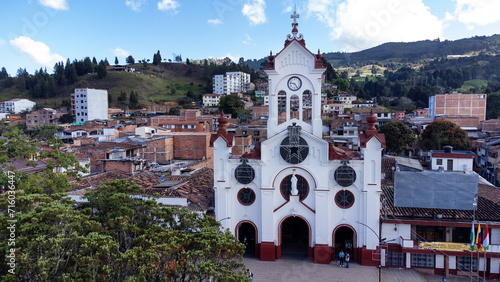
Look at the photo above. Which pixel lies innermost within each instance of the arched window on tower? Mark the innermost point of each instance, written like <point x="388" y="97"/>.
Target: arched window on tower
<point x="281" y="107"/>
<point x="294" y="106"/>
<point x="307" y="106"/>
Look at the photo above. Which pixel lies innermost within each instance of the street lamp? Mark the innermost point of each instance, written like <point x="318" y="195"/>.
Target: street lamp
<point x="224" y="218"/>
<point x="380" y="242"/>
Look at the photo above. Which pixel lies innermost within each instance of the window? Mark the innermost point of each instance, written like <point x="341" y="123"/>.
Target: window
<point x="464" y="263"/>
<point x="302" y="186"/>
<point x="246" y="196"/>
<point x="395" y="259"/>
<point x="430" y="233"/>
<point x="344" y="199"/>
<point x="423" y="260"/>
<point x="439" y="162"/>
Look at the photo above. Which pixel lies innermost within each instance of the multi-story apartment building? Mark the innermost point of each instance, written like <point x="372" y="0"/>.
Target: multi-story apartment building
<point x="231" y="82"/>
<point x="458" y="104"/>
<point x="89" y="104"/>
<point x="211" y="100"/>
<point x="42" y="117"/>
<point x="16" y="106"/>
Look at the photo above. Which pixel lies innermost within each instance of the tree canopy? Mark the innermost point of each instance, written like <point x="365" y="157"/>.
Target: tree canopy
<point x="117" y="235"/>
<point x="398" y="136"/>
<point x="442" y="133"/>
<point x="231" y="104"/>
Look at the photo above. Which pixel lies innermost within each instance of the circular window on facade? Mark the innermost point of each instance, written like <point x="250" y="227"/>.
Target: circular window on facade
<point x="300" y="184"/>
<point x="246" y="196"/>
<point x="345" y="175"/>
<point x="344" y="199"/>
<point x="244" y="173"/>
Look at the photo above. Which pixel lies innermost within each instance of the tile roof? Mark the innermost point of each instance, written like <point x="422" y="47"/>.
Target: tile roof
<point x="488" y="207"/>
<point x="196" y="189"/>
<point x="388" y="164"/>
<point x="25" y="165"/>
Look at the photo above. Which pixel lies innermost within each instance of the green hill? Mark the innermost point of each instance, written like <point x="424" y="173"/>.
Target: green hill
<point x="153" y="84"/>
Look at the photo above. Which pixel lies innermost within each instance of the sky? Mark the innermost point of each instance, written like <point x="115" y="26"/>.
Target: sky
<point x="36" y="34"/>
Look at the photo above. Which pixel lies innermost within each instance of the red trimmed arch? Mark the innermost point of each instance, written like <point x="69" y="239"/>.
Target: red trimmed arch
<point x="309" y="236"/>
<point x="354" y="241"/>
<point x="237" y="231"/>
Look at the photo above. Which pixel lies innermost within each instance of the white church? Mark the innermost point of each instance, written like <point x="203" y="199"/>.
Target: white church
<point x="294" y="194"/>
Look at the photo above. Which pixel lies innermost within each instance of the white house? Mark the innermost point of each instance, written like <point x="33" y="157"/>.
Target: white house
<point x="16" y="106"/>
<point x="211" y="100"/>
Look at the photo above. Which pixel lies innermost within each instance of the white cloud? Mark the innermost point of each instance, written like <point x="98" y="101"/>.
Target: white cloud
<point x="119" y="52"/>
<point x="359" y="24"/>
<point x="55" y="4"/>
<point x="135" y="5"/>
<point x="476" y="12"/>
<point x="254" y="10"/>
<point x="214" y="21"/>
<point x="37" y="50"/>
<point x="2" y="42"/>
<point x="248" y="39"/>
<point x="166" y="5"/>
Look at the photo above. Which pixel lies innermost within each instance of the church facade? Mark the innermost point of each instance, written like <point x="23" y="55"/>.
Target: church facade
<point x="295" y="194"/>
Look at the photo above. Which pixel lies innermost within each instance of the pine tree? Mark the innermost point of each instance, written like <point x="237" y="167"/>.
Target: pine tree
<point x="133" y="100"/>
<point x="101" y="70"/>
<point x="116" y="60"/>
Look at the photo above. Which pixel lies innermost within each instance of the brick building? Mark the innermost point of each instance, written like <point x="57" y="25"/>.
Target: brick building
<point x="42" y="117"/>
<point x="458" y="104"/>
<point x="185" y="115"/>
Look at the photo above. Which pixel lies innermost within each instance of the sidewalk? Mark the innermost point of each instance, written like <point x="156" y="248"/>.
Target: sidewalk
<point x="292" y="270"/>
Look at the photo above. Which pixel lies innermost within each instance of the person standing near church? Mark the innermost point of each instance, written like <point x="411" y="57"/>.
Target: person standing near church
<point x="347" y="259"/>
<point x="341" y="257"/>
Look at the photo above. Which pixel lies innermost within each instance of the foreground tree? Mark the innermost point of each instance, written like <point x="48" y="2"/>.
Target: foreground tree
<point x="398" y="136"/>
<point x="441" y="133"/>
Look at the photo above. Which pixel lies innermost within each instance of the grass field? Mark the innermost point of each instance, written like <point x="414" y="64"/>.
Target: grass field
<point x="472" y="84"/>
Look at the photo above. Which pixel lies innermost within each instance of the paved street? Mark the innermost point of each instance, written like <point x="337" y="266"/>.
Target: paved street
<point x="291" y="270"/>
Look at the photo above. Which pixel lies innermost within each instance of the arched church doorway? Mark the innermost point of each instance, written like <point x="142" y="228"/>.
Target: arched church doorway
<point x="294" y="238"/>
<point x="247" y="236"/>
<point x="344" y="240"/>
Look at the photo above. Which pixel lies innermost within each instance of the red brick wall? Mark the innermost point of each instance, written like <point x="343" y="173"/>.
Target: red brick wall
<point x="191" y="147"/>
<point x="127" y="167"/>
<point x="164" y="148"/>
<point x="242" y="145"/>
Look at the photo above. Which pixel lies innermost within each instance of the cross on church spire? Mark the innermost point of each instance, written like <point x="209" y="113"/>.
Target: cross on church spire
<point x="294" y="16"/>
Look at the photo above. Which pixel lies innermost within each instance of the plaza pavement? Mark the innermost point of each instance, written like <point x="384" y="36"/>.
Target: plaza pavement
<point x="303" y="270"/>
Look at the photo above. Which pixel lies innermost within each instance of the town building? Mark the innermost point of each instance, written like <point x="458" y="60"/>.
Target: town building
<point x="89" y="104"/>
<point x="211" y="100"/>
<point x="231" y="82"/>
<point x="458" y="104"/>
<point x="294" y="193"/>
<point x="192" y="116"/>
<point x="16" y="106"/>
<point x="42" y="117"/>
<point x="487" y="161"/>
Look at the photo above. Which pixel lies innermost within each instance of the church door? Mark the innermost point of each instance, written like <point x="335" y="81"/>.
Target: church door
<point x="294" y="238"/>
<point x="344" y="240"/>
<point x="247" y="236"/>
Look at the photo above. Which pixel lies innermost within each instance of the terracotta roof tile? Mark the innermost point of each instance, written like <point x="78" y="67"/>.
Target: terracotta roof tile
<point x="196" y="189"/>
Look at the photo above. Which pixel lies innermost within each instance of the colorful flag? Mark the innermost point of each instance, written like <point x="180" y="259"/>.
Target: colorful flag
<point x="486" y="240"/>
<point x="478" y="237"/>
<point x="472" y="245"/>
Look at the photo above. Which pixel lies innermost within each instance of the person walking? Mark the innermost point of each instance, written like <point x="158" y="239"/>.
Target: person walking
<point x="347" y="258"/>
<point x="341" y="258"/>
<point x="250" y="275"/>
